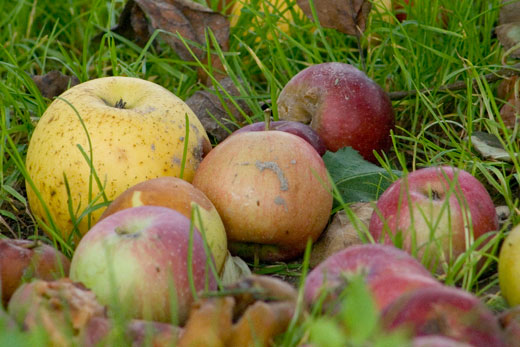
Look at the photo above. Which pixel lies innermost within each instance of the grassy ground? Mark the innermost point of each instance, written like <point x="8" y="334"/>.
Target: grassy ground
<point x="425" y="51"/>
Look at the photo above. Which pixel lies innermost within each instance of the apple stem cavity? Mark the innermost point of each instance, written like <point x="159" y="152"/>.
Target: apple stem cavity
<point x="120" y="104"/>
<point x="127" y="232"/>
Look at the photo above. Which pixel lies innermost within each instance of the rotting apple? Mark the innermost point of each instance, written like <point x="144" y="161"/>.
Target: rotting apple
<point x="444" y="311"/>
<point x="137" y="261"/>
<point x="296" y="128"/>
<point x="130" y="129"/>
<point x="388" y="271"/>
<point x="271" y="190"/>
<point x="343" y="105"/>
<point x="23" y="260"/>
<point x="182" y="196"/>
<point x="435" y="213"/>
<point x="509" y="267"/>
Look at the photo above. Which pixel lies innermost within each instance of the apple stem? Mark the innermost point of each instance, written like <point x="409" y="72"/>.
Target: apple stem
<point x="120" y="104"/>
<point x="267" y="119"/>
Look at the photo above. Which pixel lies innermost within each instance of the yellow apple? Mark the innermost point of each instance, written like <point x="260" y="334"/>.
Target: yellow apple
<point x="509" y="267"/>
<point x="179" y="195"/>
<point x="136" y="131"/>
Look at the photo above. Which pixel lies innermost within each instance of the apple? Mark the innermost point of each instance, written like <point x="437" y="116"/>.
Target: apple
<point x="136" y="260"/>
<point x="389" y="272"/>
<point x="61" y="308"/>
<point x="271" y="190"/>
<point x="509" y="267"/>
<point x="435" y="212"/>
<point x="437" y="341"/>
<point x="23" y="260"/>
<point x="137" y="131"/>
<point x="181" y="196"/>
<point x="296" y="128"/>
<point x="343" y="105"/>
<point x="444" y="311"/>
<point x="510" y="322"/>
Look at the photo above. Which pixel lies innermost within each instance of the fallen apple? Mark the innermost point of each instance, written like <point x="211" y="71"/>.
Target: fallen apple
<point x="444" y="311"/>
<point x="437" y="341"/>
<point x="509" y="267"/>
<point x="23" y="260"/>
<point x="138" y="261"/>
<point x="435" y="213"/>
<point x="388" y="271"/>
<point x="343" y="105"/>
<point x="130" y="129"/>
<point x="181" y="196"/>
<point x="271" y="190"/>
<point x="296" y="128"/>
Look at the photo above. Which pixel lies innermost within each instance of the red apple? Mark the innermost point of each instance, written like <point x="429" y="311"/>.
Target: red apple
<point x="510" y="323"/>
<point x="389" y="272"/>
<point x="445" y="311"/>
<point x="343" y="105"/>
<point x="271" y="190"/>
<point x="296" y="128"/>
<point x="177" y="194"/>
<point x="437" y="341"/>
<point x="136" y="260"/>
<point x="22" y="260"/>
<point x="435" y="211"/>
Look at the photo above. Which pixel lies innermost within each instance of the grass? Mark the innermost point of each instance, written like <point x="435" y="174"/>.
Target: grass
<point x="424" y="51"/>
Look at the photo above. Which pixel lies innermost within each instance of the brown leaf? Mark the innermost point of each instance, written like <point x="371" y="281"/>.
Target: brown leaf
<point x="54" y="83"/>
<point x="341" y="233"/>
<point x="509" y="12"/>
<point x="347" y="16"/>
<point x="509" y="36"/>
<point x="140" y="18"/>
<point x="208" y="107"/>
<point x="510" y="112"/>
<point x="489" y="146"/>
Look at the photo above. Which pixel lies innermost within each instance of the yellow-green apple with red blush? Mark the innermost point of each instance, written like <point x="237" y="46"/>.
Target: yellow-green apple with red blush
<point x="271" y="190"/>
<point x="509" y="267"/>
<point x="182" y="196"/>
<point x="138" y="258"/>
<point x="342" y="104"/>
<point x="435" y="213"/>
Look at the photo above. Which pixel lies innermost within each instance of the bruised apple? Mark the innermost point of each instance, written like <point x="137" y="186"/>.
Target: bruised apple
<point x="343" y="105"/>
<point x="138" y="261"/>
<point x="435" y="213"/>
<point x="299" y="129"/>
<point x="271" y="190"/>
<point x="23" y="260"/>
<point x="181" y="196"/>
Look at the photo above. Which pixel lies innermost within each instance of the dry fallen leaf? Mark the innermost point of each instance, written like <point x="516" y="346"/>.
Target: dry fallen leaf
<point x="209" y="109"/>
<point x="341" y="233"/>
<point x="234" y="270"/>
<point x="347" y="16"/>
<point x="509" y="36"/>
<point x="509" y="12"/>
<point x="54" y="83"/>
<point x="190" y="20"/>
<point x="489" y="146"/>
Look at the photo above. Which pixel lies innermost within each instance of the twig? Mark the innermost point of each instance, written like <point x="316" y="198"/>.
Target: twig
<point x="505" y="72"/>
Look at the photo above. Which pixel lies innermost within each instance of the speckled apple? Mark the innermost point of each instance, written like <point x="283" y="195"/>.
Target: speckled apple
<point x="140" y="256"/>
<point x="271" y="190"/>
<point x="432" y="212"/>
<point x="182" y="196"/>
<point x="343" y="105"/>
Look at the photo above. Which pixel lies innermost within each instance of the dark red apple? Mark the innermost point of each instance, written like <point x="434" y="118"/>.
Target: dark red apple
<point x="435" y="212"/>
<point x="23" y="260"/>
<point x="444" y="311"/>
<point x="137" y="262"/>
<point x="343" y="105"/>
<point x="296" y="128"/>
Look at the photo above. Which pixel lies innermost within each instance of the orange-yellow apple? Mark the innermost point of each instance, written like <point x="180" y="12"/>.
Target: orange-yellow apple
<point x="138" y="261"/>
<point x="509" y="267"/>
<point x="131" y="129"/>
<point x="181" y="196"/>
<point x="271" y="190"/>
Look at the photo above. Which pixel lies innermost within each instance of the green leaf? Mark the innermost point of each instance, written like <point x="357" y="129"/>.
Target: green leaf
<point x="324" y="332"/>
<point x="355" y="178"/>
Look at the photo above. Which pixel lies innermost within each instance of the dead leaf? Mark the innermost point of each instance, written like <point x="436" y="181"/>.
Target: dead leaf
<point x="509" y="12"/>
<point x="489" y="146"/>
<point x="341" y="233"/>
<point x="211" y="111"/>
<point x="510" y="112"/>
<point x="506" y="88"/>
<point x="347" y="16"/>
<point x="190" y="20"/>
<point x="54" y="83"/>
<point x="234" y="270"/>
<point x="509" y="36"/>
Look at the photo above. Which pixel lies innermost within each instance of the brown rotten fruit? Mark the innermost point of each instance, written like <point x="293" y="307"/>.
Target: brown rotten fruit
<point x="22" y="260"/>
<point x="271" y="190"/>
<point x="343" y="105"/>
